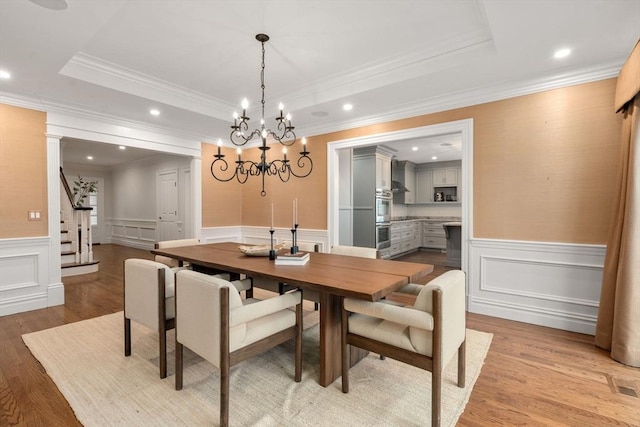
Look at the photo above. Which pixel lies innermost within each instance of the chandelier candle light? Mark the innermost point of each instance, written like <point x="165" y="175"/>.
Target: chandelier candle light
<point x="272" y="252"/>
<point x="283" y="134"/>
<point x="294" y="228"/>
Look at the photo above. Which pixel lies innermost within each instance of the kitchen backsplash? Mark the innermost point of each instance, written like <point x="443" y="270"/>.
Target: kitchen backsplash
<point x="399" y="210"/>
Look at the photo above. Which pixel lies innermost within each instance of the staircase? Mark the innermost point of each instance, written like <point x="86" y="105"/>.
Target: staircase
<point x="75" y="235"/>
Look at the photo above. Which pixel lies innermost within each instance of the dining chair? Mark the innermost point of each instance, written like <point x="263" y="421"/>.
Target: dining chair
<point x="241" y="285"/>
<point x="280" y="287"/>
<point x="171" y="262"/>
<point x="425" y="335"/>
<point x="355" y="251"/>
<point x="149" y="300"/>
<point x="214" y="322"/>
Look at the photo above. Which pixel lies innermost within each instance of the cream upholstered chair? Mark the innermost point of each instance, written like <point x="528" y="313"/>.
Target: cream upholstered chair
<point x="212" y="321"/>
<point x="426" y="335"/>
<point x="241" y="285"/>
<point x="173" y="244"/>
<point x="280" y="287"/>
<point x="149" y="300"/>
<point x="355" y="251"/>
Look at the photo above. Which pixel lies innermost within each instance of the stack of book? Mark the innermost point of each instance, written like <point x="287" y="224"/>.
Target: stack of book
<point x="300" y="258"/>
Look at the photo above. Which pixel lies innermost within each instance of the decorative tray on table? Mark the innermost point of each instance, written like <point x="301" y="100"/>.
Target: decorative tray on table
<point x="258" y="250"/>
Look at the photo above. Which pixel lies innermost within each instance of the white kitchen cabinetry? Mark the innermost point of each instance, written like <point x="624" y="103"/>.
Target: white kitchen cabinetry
<point x="445" y="177"/>
<point x="406" y="236"/>
<point x="424" y="187"/>
<point x="371" y="171"/>
<point x="433" y="235"/>
<point x="383" y="171"/>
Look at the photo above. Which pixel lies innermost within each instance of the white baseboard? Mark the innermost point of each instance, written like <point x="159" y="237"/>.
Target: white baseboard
<point x="549" y="284"/>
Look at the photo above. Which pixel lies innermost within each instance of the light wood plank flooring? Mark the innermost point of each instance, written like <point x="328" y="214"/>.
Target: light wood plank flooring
<point x="532" y="375"/>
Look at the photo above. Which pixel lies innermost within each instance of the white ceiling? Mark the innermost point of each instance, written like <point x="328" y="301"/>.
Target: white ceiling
<point x="194" y="60"/>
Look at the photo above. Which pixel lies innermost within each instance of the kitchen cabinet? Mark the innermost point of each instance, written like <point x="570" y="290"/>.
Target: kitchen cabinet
<point x="424" y="187"/>
<point x="383" y="172"/>
<point x="406" y="236"/>
<point x="371" y="170"/>
<point x="433" y="234"/>
<point x="445" y="177"/>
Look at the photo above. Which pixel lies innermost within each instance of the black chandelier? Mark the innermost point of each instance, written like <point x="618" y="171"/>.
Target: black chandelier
<point x="240" y="135"/>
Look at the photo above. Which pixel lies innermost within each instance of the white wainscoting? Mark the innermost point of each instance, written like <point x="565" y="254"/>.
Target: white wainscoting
<point x="136" y="233"/>
<point x="548" y="284"/>
<point x="25" y="279"/>
<point x="261" y="236"/>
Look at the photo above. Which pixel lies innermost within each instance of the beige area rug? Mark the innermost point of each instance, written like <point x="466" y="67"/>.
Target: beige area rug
<point x="104" y="388"/>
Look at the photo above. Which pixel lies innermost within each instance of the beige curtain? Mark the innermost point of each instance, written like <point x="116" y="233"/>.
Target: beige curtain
<point x="618" y="327"/>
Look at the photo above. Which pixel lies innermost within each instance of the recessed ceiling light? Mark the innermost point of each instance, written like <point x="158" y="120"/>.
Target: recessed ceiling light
<point x="414" y="148"/>
<point x="5" y="75"/>
<point x="89" y="157"/>
<point x="562" y="53"/>
<point x="154" y="112"/>
<point x="347" y="107"/>
<point x="434" y="158"/>
<point x="122" y="147"/>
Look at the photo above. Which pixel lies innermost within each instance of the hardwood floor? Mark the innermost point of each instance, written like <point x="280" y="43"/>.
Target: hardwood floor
<point x="531" y="376"/>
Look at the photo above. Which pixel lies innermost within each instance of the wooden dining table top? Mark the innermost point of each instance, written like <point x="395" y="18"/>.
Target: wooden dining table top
<point x="355" y="277"/>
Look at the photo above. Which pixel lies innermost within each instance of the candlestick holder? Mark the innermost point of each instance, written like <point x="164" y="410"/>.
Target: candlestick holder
<point x="272" y="252"/>
<point x="294" y="241"/>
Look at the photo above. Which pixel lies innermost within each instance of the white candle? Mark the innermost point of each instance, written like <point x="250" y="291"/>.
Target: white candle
<point x="296" y="217"/>
<point x="272" y="216"/>
<point x="293" y="215"/>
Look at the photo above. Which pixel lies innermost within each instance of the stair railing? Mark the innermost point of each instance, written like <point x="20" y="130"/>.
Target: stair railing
<point x="79" y="220"/>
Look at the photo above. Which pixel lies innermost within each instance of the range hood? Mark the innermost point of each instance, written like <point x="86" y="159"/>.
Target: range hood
<point x="398" y="187"/>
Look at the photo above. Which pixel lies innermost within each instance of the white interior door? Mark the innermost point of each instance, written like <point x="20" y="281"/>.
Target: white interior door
<point x="167" y="183"/>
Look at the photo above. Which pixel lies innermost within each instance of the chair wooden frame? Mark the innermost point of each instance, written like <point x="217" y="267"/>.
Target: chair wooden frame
<point x="164" y="324"/>
<point x="432" y="364"/>
<point x="229" y="359"/>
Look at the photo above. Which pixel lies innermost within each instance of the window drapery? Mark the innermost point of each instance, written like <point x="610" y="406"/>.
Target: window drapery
<point x="618" y="327"/>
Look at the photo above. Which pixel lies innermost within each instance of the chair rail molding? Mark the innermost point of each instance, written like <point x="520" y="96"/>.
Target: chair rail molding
<point x="136" y="233"/>
<point x="261" y="236"/>
<point x="548" y="284"/>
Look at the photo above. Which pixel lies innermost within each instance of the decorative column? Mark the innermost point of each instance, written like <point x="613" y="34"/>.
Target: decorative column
<point x="55" y="291"/>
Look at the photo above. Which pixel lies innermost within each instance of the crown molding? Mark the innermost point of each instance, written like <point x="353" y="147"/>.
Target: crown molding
<point x="467" y="98"/>
<point x="442" y="103"/>
<point x="80" y="113"/>
<point x="107" y="74"/>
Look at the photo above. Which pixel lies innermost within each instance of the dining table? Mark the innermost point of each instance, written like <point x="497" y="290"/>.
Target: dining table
<point x="332" y="276"/>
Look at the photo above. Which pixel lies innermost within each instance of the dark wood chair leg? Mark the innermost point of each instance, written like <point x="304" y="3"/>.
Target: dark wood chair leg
<point x="298" y="373"/>
<point x="163" y="354"/>
<point x="127" y="337"/>
<point x="462" y="356"/>
<point x="346" y="360"/>
<point x="225" y="358"/>
<point x="436" y="397"/>
<point x="179" y="365"/>
<point x="249" y="292"/>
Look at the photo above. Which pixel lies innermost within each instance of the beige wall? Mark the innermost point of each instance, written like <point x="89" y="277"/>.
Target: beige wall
<point x="23" y="172"/>
<point x="544" y="169"/>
